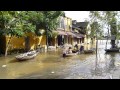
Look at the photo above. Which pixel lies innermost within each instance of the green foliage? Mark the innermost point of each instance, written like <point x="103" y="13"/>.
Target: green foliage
<point x="15" y="23"/>
<point x="95" y="24"/>
<point x="47" y="20"/>
<point x="105" y="18"/>
<point x="20" y="22"/>
<point x="54" y="34"/>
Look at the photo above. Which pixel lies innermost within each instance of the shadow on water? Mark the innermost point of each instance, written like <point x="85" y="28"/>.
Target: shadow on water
<point x="13" y="61"/>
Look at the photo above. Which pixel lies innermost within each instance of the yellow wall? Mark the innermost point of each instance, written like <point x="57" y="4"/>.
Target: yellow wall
<point x="68" y="23"/>
<point x="15" y="43"/>
<point x="19" y="43"/>
<point x="89" y="40"/>
<point x="69" y="40"/>
<point x="41" y="41"/>
<point x="2" y="45"/>
<point x="65" y="20"/>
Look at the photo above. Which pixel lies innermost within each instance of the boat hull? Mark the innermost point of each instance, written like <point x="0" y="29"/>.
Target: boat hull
<point x="26" y="56"/>
<point x="69" y="55"/>
<point x="112" y="50"/>
<point x="88" y="51"/>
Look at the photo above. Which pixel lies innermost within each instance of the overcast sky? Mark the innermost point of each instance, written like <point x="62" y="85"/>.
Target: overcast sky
<point x="80" y="16"/>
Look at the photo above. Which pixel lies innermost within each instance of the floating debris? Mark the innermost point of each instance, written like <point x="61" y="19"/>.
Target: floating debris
<point x="52" y="72"/>
<point x="110" y="76"/>
<point x="4" y="65"/>
<point x="117" y="64"/>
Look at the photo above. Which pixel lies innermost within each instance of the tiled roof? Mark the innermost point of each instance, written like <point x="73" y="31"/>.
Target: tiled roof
<point x="82" y="24"/>
<point x="60" y="32"/>
<point x="79" y="35"/>
<point x="75" y="27"/>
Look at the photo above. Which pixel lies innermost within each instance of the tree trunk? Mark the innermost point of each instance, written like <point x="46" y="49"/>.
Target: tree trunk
<point x="47" y="37"/>
<point x="7" y="46"/>
<point x="96" y="61"/>
<point x="47" y="41"/>
<point x="96" y="47"/>
<point x="27" y="44"/>
<point x="92" y="40"/>
<point x="113" y="43"/>
<point x="87" y="42"/>
<point x="113" y="33"/>
<point x="106" y="43"/>
<point x="107" y="36"/>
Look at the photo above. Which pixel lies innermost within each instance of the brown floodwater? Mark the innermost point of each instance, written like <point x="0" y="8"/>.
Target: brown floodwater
<point x="51" y="65"/>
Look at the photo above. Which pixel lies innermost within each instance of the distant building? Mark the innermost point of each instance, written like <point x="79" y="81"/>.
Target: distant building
<point x="84" y="30"/>
<point x="79" y="36"/>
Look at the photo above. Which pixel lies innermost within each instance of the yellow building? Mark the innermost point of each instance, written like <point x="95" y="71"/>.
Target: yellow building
<point x="78" y="38"/>
<point x="64" y="33"/>
<point x="68" y="29"/>
<point x="78" y="29"/>
<point x="28" y="42"/>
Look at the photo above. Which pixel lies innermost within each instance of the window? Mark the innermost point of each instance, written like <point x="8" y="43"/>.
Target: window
<point x="70" y="27"/>
<point x="61" y="24"/>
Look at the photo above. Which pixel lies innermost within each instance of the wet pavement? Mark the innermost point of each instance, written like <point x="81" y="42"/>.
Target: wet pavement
<point x="51" y="65"/>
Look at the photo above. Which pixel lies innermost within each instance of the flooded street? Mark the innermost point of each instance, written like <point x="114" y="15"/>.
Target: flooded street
<point x="51" y="65"/>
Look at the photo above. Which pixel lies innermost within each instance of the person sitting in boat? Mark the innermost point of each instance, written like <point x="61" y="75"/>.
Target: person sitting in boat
<point x="69" y="50"/>
<point x="64" y="52"/>
<point x="81" y="48"/>
<point x="76" y="48"/>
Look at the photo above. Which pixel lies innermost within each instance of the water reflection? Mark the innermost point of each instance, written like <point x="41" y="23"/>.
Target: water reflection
<point x="105" y="68"/>
<point x="51" y="65"/>
<point x="104" y="64"/>
<point x="112" y="62"/>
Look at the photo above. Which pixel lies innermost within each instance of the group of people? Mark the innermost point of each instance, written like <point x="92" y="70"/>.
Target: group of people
<point x="67" y="51"/>
<point x="70" y="50"/>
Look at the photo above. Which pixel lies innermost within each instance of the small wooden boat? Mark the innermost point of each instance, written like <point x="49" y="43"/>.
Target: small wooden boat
<point x="69" y="55"/>
<point x="112" y="50"/>
<point x="27" y="56"/>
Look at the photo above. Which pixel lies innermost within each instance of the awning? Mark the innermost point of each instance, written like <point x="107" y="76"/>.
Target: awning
<point x="78" y="35"/>
<point x="71" y="34"/>
<point x="82" y="35"/>
<point x="60" y="32"/>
